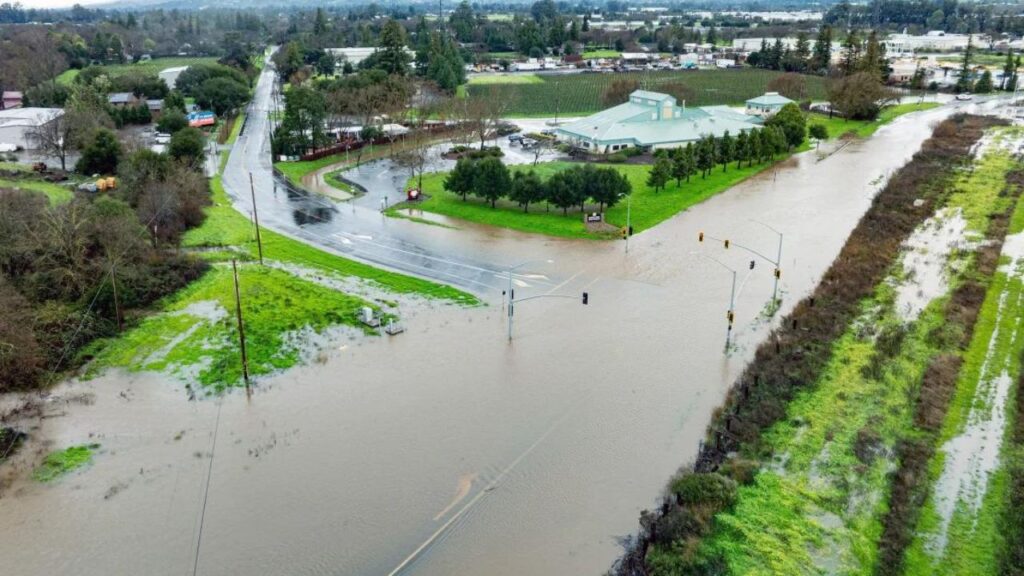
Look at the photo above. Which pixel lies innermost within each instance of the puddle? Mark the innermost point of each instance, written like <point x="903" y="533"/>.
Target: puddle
<point x="925" y="261"/>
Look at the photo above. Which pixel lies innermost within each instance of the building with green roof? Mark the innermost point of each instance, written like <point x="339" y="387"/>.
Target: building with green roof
<point x="767" y="105"/>
<point x="653" y="120"/>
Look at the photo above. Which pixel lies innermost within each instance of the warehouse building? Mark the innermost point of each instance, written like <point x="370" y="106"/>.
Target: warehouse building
<point x="652" y="120"/>
<point x="17" y="125"/>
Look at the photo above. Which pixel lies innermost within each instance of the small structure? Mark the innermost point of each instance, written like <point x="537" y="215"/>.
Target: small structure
<point x="767" y="105"/>
<point x="122" y="99"/>
<point x="11" y="100"/>
<point x="156" y="108"/>
<point x="201" y="118"/>
<point x="393" y="328"/>
<point x="18" y="124"/>
<point x="368" y="316"/>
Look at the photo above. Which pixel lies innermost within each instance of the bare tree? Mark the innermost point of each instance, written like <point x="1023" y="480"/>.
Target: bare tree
<point x="482" y="114"/>
<point x="54" y="138"/>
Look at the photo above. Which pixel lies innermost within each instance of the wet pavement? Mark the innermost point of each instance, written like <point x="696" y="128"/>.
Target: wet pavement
<point x="447" y="449"/>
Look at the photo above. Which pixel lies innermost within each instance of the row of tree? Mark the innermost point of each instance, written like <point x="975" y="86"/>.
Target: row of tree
<point x="491" y="180"/>
<point x="751" y="147"/>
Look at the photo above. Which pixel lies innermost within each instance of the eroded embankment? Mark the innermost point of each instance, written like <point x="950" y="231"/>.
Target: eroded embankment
<point x="837" y="464"/>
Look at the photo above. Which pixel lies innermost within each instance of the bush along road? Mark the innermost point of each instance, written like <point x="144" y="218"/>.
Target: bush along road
<point x="821" y="458"/>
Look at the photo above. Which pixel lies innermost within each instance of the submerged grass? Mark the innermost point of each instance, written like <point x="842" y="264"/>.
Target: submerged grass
<point x="196" y="336"/>
<point x="59" y="463"/>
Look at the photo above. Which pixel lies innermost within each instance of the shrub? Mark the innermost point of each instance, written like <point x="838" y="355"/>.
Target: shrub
<point x="711" y="488"/>
<point x="616" y="158"/>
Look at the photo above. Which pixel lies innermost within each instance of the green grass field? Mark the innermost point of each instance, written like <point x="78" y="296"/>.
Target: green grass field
<point x="150" y="67"/>
<point x="57" y="193"/>
<point x="486" y="79"/>
<point x="648" y="207"/>
<point x="840" y="126"/>
<point x="581" y="93"/>
<point x="601" y="54"/>
<point x="61" y="462"/>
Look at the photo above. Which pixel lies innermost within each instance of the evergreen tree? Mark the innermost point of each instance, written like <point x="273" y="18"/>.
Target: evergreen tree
<point x="660" y="173"/>
<point x="963" y="83"/>
<point x="460" y="180"/>
<point x="680" y="167"/>
<point x="491" y="180"/>
<point x="320" y="22"/>
<point x="392" y="57"/>
<point x="822" y="50"/>
<point x="726" y="150"/>
<point x="1009" y="72"/>
<point x="740" y="149"/>
<point x="851" y="55"/>
<point x="526" y="189"/>
<point x="873" y="62"/>
<point x="984" y="84"/>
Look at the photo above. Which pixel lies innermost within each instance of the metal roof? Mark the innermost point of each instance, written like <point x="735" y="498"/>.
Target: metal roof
<point x="770" y="99"/>
<point x="633" y="123"/>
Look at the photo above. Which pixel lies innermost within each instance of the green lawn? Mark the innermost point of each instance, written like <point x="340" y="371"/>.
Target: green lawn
<point x="648" y="207"/>
<point x="484" y="79"/>
<point x="601" y="54"/>
<point x="582" y="93"/>
<point x="57" y="193"/>
<point x="150" y="67"/>
<point x="840" y="126"/>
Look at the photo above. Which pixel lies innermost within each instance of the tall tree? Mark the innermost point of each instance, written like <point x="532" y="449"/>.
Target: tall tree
<point x="822" y="50"/>
<point x="660" y="173"/>
<point x="392" y="56"/>
<point x="963" y="83"/>
<point x="1009" y="82"/>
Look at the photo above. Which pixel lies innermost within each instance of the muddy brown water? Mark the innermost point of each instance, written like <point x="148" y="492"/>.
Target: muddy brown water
<point x="447" y="450"/>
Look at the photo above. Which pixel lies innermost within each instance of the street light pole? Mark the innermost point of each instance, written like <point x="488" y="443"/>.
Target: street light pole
<point x="730" y="315"/>
<point x="628" y="229"/>
<point x="511" y="299"/>
<point x="778" y="263"/>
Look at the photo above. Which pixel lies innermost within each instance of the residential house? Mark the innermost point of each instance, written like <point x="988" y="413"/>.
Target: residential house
<point x="11" y="100"/>
<point x="18" y="124"/>
<point x="123" y="100"/>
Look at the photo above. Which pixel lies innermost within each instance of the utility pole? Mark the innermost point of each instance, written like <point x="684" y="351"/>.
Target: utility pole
<point x="241" y="326"/>
<point x="117" y="302"/>
<point x="256" y="218"/>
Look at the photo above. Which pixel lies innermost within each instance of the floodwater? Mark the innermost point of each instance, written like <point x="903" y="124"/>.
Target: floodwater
<point x="926" y="255"/>
<point x="447" y="449"/>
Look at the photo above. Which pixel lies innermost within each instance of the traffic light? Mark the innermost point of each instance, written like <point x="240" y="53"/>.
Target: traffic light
<point x="778" y="273"/>
<point x="630" y="230"/>
<point x="700" y="237"/>
<point x="729" y="316"/>
<point x="751" y="264"/>
<point x="625" y="232"/>
<point x="585" y="298"/>
<point x="726" y="244"/>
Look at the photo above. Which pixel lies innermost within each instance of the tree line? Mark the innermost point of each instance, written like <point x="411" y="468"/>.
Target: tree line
<point x="783" y="132"/>
<point x="490" y="180"/>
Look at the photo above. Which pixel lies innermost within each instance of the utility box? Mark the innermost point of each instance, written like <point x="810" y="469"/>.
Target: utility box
<point x="369" y="317"/>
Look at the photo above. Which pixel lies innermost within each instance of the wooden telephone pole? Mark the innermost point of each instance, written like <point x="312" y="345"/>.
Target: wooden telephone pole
<point x="117" y="301"/>
<point x="256" y="218"/>
<point x="241" y="326"/>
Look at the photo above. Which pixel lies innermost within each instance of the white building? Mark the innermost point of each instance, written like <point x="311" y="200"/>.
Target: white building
<point x="170" y="75"/>
<point x="934" y="41"/>
<point x="16" y="125"/>
<point x="357" y="55"/>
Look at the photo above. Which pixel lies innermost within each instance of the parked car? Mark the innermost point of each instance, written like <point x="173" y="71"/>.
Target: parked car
<point x="162" y="138"/>
<point x="529" y="142"/>
<point x="964" y="97"/>
<point x="512" y="138"/>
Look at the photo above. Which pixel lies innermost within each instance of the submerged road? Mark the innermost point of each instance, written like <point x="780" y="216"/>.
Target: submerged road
<point x="446" y="450"/>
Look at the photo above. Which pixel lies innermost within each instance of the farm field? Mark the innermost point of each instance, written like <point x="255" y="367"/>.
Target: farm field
<point x="150" y="67"/>
<point x="485" y="79"/>
<point x="581" y="93"/>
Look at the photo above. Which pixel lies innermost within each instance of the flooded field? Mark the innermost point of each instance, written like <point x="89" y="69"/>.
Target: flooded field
<point x="447" y="449"/>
